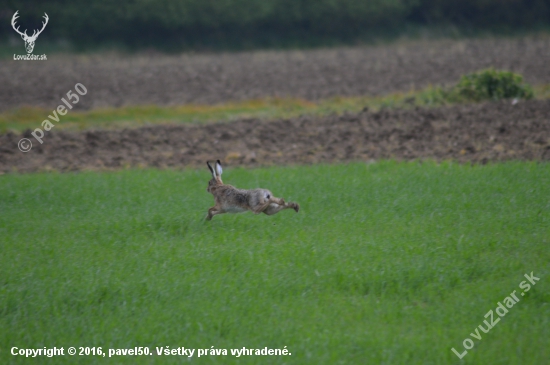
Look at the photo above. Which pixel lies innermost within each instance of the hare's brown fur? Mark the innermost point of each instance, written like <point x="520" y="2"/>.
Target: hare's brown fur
<point x="229" y="199"/>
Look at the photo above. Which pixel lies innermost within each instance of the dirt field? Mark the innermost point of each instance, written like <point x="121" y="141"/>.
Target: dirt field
<point x="313" y="75"/>
<point x="479" y="133"/>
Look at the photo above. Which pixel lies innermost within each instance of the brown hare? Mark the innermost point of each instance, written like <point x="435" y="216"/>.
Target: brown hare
<point x="229" y="199"/>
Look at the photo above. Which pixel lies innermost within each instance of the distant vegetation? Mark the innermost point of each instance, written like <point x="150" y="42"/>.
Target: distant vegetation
<point x="479" y="86"/>
<point x="493" y="84"/>
<point x="173" y="24"/>
<point x="489" y="84"/>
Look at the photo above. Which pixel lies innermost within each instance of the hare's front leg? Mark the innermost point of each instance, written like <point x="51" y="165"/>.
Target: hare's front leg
<point x="213" y="211"/>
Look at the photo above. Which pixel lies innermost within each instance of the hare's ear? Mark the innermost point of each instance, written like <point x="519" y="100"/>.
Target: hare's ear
<point x="219" y="168"/>
<point x="211" y="169"/>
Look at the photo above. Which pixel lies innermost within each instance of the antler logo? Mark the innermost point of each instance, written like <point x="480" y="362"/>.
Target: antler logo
<point x="29" y="41"/>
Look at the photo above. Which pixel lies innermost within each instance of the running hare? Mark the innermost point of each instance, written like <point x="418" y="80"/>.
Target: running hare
<point x="229" y="199"/>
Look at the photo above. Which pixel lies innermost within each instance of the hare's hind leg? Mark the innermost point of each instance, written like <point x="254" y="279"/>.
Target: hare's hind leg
<point x="276" y="205"/>
<point x="271" y="200"/>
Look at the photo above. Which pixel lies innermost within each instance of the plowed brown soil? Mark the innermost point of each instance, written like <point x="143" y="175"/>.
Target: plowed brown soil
<point x="312" y="75"/>
<point x="479" y="133"/>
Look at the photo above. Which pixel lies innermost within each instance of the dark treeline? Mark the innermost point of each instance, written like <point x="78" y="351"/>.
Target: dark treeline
<point x="242" y="23"/>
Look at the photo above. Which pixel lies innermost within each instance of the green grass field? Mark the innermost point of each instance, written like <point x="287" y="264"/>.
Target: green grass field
<point x="386" y="263"/>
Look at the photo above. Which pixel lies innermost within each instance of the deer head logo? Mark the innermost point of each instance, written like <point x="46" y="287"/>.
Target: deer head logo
<point x="29" y="41"/>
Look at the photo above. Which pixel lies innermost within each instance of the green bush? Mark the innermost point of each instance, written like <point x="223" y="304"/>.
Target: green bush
<point x="491" y="84"/>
